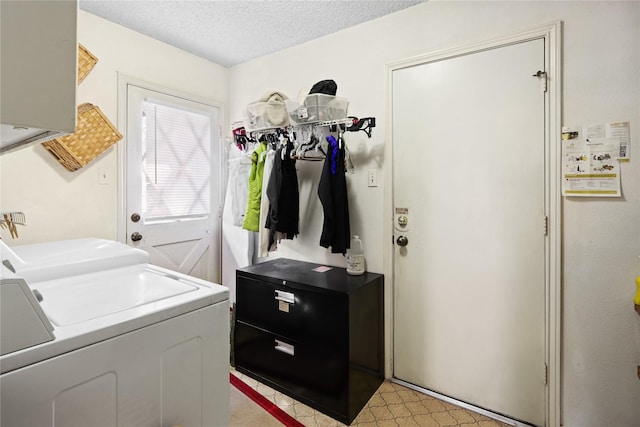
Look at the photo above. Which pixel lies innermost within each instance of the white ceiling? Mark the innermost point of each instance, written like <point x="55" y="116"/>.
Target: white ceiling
<point x="229" y="32"/>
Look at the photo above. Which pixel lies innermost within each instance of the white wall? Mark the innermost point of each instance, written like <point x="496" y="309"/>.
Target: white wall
<point x="601" y="237"/>
<point x="59" y="204"/>
<point x="601" y="332"/>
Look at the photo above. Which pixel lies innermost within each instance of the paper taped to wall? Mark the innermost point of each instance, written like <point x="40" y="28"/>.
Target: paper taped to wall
<point x="591" y="159"/>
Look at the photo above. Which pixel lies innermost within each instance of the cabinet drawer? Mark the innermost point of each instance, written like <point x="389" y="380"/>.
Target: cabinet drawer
<point x="304" y="367"/>
<point x="293" y="312"/>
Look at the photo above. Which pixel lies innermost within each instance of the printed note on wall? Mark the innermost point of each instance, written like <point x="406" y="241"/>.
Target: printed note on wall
<point x="622" y="131"/>
<point x="590" y="161"/>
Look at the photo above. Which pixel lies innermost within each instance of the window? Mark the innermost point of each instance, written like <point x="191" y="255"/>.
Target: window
<point x="176" y="161"/>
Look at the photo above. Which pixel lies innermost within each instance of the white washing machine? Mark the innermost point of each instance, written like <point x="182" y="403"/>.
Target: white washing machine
<point x="109" y="344"/>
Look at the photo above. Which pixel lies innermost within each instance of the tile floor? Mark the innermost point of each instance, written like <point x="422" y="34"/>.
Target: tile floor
<point x="391" y="405"/>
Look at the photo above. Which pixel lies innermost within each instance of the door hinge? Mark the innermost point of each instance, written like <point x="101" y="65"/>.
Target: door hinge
<point x="546" y="374"/>
<point x="542" y="76"/>
<point x="545" y="226"/>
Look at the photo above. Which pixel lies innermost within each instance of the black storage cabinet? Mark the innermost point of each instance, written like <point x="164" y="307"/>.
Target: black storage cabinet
<point x="317" y="337"/>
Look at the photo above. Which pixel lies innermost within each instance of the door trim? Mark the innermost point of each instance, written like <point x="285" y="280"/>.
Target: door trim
<point x="216" y="205"/>
<point x="551" y="33"/>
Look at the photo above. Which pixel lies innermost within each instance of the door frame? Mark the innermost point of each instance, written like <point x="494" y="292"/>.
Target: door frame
<point x="216" y="205"/>
<point x="551" y="33"/>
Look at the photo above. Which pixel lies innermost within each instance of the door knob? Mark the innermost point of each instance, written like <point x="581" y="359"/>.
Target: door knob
<point x="402" y="241"/>
<point x="136" y="236"/>
<point x="135" y="217"/>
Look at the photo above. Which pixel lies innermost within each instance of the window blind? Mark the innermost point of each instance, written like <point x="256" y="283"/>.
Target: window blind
<point x="176" y="163"/>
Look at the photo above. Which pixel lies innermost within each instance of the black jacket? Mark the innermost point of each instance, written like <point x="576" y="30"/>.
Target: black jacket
<point x="283" y="195"/>
<point x="332" y="191"/>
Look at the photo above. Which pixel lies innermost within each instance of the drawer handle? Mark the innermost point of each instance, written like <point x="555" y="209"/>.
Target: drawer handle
<point x="284" y="347"/>
<point x="285" y="296"/>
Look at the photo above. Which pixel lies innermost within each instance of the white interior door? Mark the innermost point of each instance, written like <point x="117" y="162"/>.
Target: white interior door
<point x="173" y="181"/>
<point x="469" y="176"/>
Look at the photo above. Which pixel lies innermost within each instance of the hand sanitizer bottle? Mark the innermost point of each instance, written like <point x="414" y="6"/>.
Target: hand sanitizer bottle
<point x="355" y="257"/>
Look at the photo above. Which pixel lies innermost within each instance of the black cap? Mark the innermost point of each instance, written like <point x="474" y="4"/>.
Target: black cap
<point x="327" y="87"/>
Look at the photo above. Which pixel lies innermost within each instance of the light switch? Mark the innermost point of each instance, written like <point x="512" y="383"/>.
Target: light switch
<point x="372" y="178"/>
<point x="104" y="176"/>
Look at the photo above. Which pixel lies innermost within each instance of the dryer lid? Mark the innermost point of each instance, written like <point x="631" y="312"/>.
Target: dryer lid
<point x="53" y="260"/>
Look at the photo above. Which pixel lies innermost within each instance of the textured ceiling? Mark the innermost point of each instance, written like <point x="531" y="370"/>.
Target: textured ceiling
<point x="229" y="32"/>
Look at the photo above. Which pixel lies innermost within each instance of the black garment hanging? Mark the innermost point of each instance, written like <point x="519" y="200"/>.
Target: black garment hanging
<point x="284" y="198"/>
<point x="332" y="191"/>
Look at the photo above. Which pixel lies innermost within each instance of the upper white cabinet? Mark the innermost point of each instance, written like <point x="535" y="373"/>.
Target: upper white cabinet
<point x="38" y="69"/>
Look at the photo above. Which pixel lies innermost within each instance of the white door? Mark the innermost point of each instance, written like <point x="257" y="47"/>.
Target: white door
<point x="469" y="176"/>
<point x="173" y="181"/>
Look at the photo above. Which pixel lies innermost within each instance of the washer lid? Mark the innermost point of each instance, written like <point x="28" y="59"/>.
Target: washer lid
<point x="76" y="299"/>
<point x="96" y="300"/>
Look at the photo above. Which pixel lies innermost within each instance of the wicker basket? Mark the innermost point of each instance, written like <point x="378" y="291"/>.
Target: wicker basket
<point x="86" y="62"/>
<point x="94" y="134"/>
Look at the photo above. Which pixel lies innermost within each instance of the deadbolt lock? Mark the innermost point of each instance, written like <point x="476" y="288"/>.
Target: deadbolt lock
<point x="403" y="220"/>
<point x="135" y="217"/>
